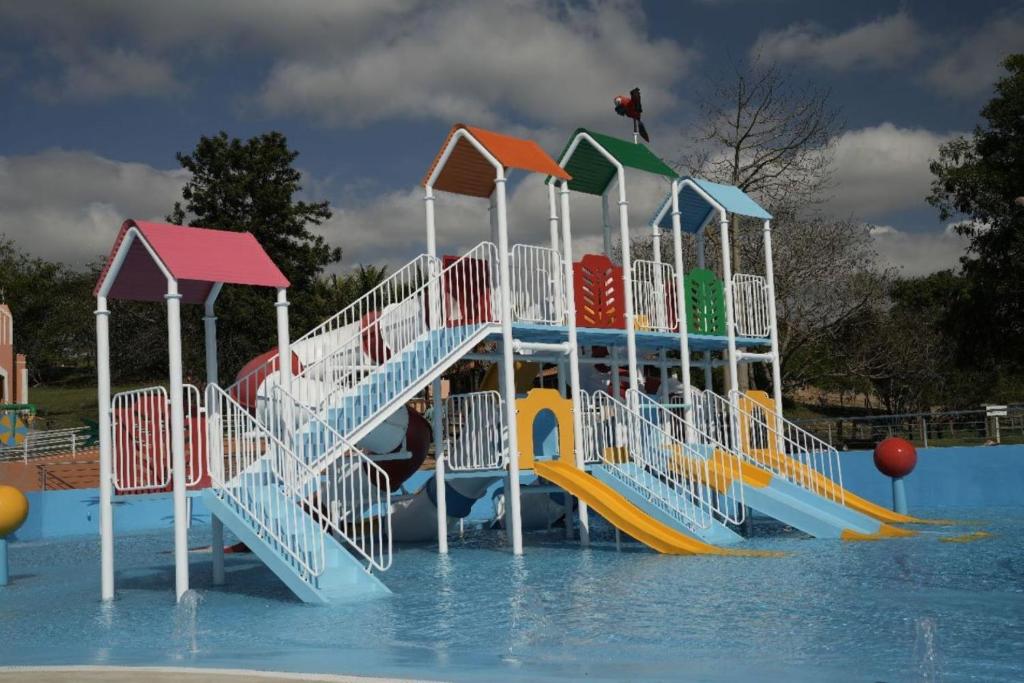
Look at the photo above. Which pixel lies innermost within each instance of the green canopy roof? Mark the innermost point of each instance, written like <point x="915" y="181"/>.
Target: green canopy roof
<point x="591" y="171"/>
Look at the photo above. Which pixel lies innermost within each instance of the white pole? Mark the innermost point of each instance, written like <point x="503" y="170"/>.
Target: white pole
<point x="730" y="326"/>
<point x="284" y="345"/>
<point x="553" y="226"/>
<point x="574" y="369"/>
<point x="210" y="345"/>
<point x="684" y="338"/>
<point x="440" y="499"/>
<point x="659" y="286"/>
<point x="606" y="224"/>
<point x="514" y="515"/>
<point x="173" y="298"/>
<point x="769" y="271"/>
<point x="709" y="377"/>
<point x="106" y="453"/>
<point x="627" y="279"/>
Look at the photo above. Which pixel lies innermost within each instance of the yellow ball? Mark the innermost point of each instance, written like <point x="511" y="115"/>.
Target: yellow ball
<point x="13" y="509"/>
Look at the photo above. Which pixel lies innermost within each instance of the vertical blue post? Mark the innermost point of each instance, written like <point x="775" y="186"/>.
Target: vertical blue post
<point x="4" y="574"/>
<point x="899" y="496"/>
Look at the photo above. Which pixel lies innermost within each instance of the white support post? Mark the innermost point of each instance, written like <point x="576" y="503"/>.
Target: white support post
<point x="574" y="369"/>
<point x="730" y="319"/>
<point x="284" y="345"/>
<point x="606" y="225"/>
<point x="659" y="286"/>
<point x="684" y="335"/>
<point x="698" y="239"/>
<point x="175" y="396"/>
<point x="210" y="346"/>
<point x="514" y="513"/>
<point x="627" y="279"/>
<point x="769" y="271"/>
<point x="106" y="511"/>
<point x="440" y="498"/>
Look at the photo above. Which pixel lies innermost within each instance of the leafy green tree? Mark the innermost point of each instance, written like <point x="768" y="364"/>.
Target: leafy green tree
<point x="252" y="186"/>
<point x="52" y="306"/>
<point x="982" y="178"/>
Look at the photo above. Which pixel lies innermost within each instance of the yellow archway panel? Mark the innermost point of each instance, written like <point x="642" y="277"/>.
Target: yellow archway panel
<point x="528" y="408"/>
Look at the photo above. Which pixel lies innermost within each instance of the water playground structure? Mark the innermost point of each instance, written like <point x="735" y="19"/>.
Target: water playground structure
<point x="304" y="456"/>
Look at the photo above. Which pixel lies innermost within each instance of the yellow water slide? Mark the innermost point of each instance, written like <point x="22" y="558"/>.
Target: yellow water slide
<point x="625" y="516"/>
<point x="772" y="456"/>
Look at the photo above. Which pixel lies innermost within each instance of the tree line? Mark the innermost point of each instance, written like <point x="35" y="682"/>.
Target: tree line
<point x="852" y="331"/>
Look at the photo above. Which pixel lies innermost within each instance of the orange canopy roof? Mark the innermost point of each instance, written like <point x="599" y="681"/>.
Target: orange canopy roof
<point x="468" y="172"/>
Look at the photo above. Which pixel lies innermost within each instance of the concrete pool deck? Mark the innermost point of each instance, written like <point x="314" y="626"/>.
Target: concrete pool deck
<point x="117" y="674"/>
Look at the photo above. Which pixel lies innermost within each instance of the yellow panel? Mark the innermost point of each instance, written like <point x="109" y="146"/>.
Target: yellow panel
<point x="527" y="410"/>
<point x="526" y="374"/>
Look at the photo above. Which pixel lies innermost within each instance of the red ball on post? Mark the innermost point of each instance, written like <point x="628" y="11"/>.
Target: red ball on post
<point x="895" y="457"/>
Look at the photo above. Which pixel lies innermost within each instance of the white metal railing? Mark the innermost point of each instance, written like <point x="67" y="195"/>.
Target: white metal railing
<point x="250" y="469"/>
<point x="195" y="435"/>
<point x="476" y="437"/>
<point x="537" y="292"/>
<point x="464" y="296"/>
<point x="653" y="284"/>
<point x="335" y="335"/>
<point x="722" y="462"/>
<point x="140" y="425"/>
<point x="750" y="305"/>
<point x="48" y="442"/>
<point x="789" y="450"/>
<point x="349" y="495"/>
<point x="141" y="439"/>
<point x="771" y="442"/>
<point x="671" y="474"/>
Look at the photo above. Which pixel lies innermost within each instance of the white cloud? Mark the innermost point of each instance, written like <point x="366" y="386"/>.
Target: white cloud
<point x="885" y="42"/>
<point x="470" y="61"/>
<point x="68" y="206"/>
<point x="350" y="63"/>
<point x="971" y="67"/>
<point x="96" y="75"/>
<point x="918" y="253"/>
<point x="883" y="168"/>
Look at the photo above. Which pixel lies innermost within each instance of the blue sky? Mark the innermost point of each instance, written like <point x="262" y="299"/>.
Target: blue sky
<point x="96" y="98"/>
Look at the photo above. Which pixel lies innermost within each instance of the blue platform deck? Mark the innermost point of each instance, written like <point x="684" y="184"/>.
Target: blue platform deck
<point x="645" y="340"/>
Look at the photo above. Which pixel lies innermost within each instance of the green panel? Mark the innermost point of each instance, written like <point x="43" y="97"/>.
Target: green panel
<point x="705" y="303"/>
<point x="591" y="171"/>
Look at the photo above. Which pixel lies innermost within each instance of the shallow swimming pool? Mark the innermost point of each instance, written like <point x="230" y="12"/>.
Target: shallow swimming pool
<point x="901" y="610"/>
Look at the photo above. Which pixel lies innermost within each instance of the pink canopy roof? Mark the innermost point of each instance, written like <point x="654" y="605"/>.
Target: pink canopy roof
<point x="198" y="258"/>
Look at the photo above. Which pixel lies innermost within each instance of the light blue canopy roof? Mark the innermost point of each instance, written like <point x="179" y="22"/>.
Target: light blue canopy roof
<point x="695" y="209"/>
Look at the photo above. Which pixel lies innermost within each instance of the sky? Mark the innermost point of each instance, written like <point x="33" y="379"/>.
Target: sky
<point x="97" y="97"/>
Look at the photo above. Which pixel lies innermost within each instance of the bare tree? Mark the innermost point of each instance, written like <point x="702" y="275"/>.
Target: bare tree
<point x="767" y="134"/>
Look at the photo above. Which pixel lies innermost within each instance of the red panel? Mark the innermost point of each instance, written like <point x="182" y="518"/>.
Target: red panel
<point x="467" y="283"/>
<point x="599" y="290"/>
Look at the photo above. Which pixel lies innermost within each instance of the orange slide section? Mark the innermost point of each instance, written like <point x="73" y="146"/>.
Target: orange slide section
<point x="625" y="516"/>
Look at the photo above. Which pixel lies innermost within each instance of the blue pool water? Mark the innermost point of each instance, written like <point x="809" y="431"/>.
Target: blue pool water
<point x="901" y="610"/>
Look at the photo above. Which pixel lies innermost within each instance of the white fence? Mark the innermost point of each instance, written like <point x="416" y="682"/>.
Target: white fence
<point x="140" y="422"/>
<point x="750" y="305"/>
<point x="537" y="292"/>
<point x="476" y="437"/>
<point x="652" y="299"/>
<point x="48" y="442"/>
